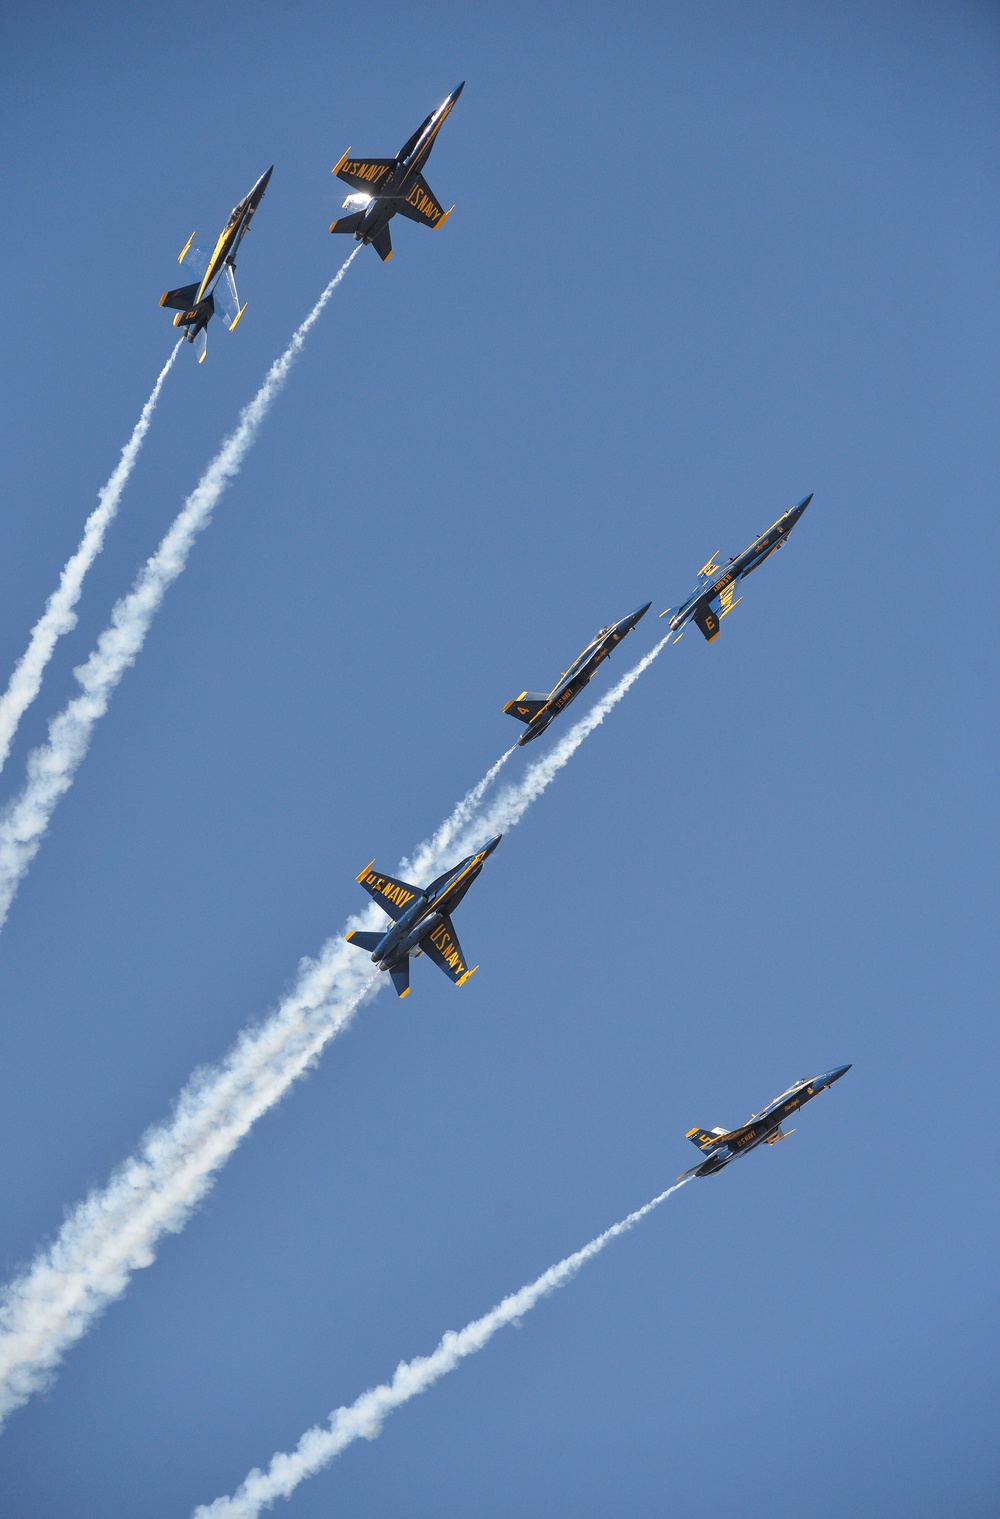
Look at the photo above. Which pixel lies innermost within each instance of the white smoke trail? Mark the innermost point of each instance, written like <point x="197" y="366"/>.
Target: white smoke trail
<point x="365" y="1417"/>
<point x="114" y="1231"/>
<point x="59" y="616"/>
<point x="426" y="856"/>
<point x="51" y="768"/>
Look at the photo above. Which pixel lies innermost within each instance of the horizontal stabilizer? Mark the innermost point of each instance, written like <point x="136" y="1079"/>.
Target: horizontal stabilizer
<point x="348" y="223"/>
<point x="526" y="707"/>
<point x="179" y="300"/>
<point x="393" y="896"/>
<point x="707" y="621"/>
<point x="364" y="940"/>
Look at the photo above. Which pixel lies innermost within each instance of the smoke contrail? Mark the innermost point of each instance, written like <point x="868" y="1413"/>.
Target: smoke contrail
<point x="365" y="1417"/>
<point x="59" y="616"/>
<point x="114" y="1231"/>
<point x="427" y="856"/>
<point x="51" y="768"/>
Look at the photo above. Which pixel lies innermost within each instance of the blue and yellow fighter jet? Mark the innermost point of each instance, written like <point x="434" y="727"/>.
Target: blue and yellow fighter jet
<point x="383" y="186"/>
<point x="721" y="1145"/>
<point x="538" y="710"/>
<point x="713" y="595"/>
<point x="421" y="922"/>
<point x="214" y="288"/>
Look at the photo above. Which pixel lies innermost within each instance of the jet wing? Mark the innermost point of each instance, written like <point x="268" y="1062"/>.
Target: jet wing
<point x="422" y="206"/>
<point x="195" y="260"/>
<point x="738" y="1139"/>
<point x="441" y="945"/>
<point x="393" y="896"/>
<point x="227" y="302"/>
<point x="364" y="173"/>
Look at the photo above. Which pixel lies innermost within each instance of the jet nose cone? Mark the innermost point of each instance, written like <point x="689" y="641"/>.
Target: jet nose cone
<point x="455" y="93"/>
<point x="641" y="612"/>
<point x="803" y="504"/>
<point x="835" y="1075"/>
<point x="493" y="844"/>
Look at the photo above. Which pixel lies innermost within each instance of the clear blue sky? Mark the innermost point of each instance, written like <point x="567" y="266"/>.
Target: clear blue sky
<point x="706" y="258"/>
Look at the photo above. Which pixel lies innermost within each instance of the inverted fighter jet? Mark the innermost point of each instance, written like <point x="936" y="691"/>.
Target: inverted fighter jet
<point x="383" y="186"/>
<point x="421" y="924"/>
<point x="214" y="287"/>
<point x="537" y="710"/>
<point x="713" y="595"/>
<point x="722" y="1146"/>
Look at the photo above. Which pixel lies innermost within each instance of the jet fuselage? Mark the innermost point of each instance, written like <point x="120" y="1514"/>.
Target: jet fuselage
<point x="539" y="711"/>
<point x="386" y="186"/>
<point x="398" y="183"/>
<point x="763" y="1128"/>
<point x="214" y="286"/>
<point x="430" y="907"/>
<point x="718" y="587"/>
<point x="421" y="922"/>
<point x="232" y="234"/>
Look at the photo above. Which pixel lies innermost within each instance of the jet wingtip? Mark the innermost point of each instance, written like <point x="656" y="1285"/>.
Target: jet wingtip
<point x="340" y="161"/>
<point x="360" y="877"/>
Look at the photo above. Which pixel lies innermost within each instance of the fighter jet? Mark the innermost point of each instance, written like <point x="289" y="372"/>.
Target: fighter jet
<point x="713" y="595"/>
<point x="214" y="288"/>
<point x="722" y="1146"/>
<point x="384" y="186"/>
<point x="538" y="710"/>
<point x="421" y="922"/>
